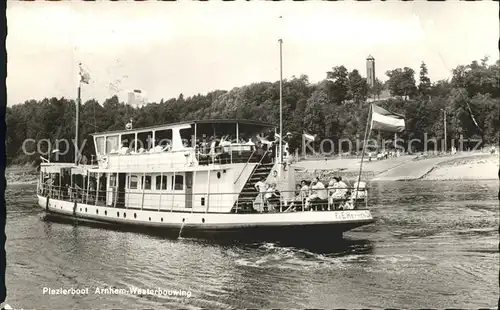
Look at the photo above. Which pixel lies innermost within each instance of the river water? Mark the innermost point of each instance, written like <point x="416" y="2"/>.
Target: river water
<point x="434" y="245"/>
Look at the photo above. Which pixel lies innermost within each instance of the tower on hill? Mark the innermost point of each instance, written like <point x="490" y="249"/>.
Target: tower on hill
<point x="370" y="70"/>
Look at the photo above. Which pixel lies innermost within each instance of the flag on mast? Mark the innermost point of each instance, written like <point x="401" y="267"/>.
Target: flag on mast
<point x="84" y="75"/>
<point x="384" y="120"/>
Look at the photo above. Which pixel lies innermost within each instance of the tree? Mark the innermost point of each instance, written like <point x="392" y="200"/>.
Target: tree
<point x="425" y="83"/>
<point x="376" y="89"/>
<point x="478" y="78"/>
<point x="314" y="120"/>
<point x="358" y="87"/>
<point x="440" y="88"/>
<point x="401" y="82"/>
<point x="339" y="87"/>
<point x="470" y="100"/>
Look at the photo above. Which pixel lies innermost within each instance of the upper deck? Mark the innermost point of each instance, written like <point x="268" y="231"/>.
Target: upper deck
<point x="200" y="138"/>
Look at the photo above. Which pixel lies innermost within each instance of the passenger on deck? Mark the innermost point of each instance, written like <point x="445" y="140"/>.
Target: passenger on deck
<point x="273" y="198"/>
<point x="203" y="145"/>
<point x="332" y="187"/>
<point x="342" y="187"/>
<point x="361" y="191"/>
<point x="49" y="184"/>
<point x="251" y="144"/>
<point x="297" y="201"/>
<point x="304" y="191"/>
<point x="318" y="195"/>
<point x="259" y="149"/>
<point x="340" y="193"/>
<point x="212" y="143"/>
<point x="298" y="193"/>
<point x="157" y="149"/>
<point x="124" y="150"/>
<point x="225" y="144"/>
<point x="261" y="187"/>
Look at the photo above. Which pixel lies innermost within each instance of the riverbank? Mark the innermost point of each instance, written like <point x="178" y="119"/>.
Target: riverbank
<point x="478" y="167"/>
<point x="460" y="166"/>
<point x="463" y="166"/>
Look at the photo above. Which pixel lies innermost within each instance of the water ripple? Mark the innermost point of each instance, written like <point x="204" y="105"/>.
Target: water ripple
<point x="434" y="244"/>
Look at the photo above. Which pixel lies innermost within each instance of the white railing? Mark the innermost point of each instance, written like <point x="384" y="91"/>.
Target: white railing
<point x="156" y="200"/>
<point x="230" y="154"/>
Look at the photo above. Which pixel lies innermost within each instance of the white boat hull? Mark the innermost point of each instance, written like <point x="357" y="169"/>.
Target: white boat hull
<point x="199" y="224"/>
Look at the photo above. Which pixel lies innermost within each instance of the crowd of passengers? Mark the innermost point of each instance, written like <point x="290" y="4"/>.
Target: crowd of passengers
<point x="210" y="145"/>
<point x="311" y="196"/>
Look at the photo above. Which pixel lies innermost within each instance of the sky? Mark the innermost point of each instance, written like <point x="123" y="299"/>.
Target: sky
<point x="188" y="47"/>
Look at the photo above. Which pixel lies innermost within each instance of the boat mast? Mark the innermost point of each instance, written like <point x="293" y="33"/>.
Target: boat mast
<point x="368" y="123"/>
<point x="77" y="121"/>
<point x="281" y="101"/>
<point x="84" y="78"/>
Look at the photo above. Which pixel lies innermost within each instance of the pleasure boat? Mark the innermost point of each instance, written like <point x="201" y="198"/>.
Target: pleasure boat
<point x="193" y="179"/>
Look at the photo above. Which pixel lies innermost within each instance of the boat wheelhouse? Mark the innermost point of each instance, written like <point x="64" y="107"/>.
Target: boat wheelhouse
<point x="194" y="176"/>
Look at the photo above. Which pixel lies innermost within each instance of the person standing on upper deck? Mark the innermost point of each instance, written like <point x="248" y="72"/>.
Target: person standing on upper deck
<point x="250" y="144"/>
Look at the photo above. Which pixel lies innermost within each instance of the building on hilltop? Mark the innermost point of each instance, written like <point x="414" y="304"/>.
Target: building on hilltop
<point x="136" y="98"/>
<point x="370" y="70"/>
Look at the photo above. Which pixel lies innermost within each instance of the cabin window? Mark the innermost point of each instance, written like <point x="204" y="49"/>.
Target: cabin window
<point x="133" y="182"/>
<point x="146" y="182"/>
<point x="163" y="138"/>
<point x="187" y="137"/>
<point x="112" y="144"/>
<point x="127" y="141"/>
<point x="178" y="182"/>
<point x="99" y="143"/>
<point x="144" y="141"/>
<point x="161" y="182"/>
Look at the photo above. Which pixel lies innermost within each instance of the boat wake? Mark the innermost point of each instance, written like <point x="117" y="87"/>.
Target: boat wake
<point x="274" y="255"/>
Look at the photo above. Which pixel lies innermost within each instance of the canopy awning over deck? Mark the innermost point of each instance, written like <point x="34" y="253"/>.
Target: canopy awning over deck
<point x="57" y="167"/>
<point x="249" y="123"/>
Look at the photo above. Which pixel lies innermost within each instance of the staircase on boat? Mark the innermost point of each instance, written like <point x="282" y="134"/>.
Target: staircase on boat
<point x="249" y="193"/>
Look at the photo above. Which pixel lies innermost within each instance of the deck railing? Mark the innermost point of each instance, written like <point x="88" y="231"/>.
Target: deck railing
<point x="230" y="154"/>
<point x="165" y="201"/>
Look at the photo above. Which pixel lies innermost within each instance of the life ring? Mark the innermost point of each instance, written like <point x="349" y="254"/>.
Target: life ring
<point x="275" y="173"/>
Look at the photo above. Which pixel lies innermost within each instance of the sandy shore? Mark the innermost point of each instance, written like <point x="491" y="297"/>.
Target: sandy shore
<point x="457" y="167"/>
<point x="464" y="166"/>
<point x="478" y="167"/>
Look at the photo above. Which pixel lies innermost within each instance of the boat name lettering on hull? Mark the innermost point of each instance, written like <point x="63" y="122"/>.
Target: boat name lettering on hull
<point x="347" y="215"/>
